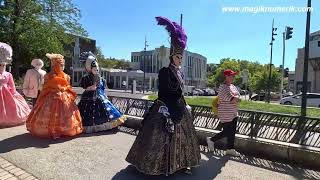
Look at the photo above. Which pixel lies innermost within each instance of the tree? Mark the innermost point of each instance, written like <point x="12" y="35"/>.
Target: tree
<point x="99" y="54"/>
<point x="26" y="26"/>
<point x="262" y="79"/>
<point x="226" y="64"/>
<point x="211" y="69"/>
<point x="258" y="74"/>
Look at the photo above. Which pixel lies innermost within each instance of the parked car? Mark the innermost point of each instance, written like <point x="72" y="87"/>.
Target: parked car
<point x="258" y="97"/>
<point x="195" y="93"/>
<point x="313" y="99"/>
<point x="287" y="94"/>
<point x="201" y="93"/>
<point x="275" y="96"/>
<point x="244" y="92"/>
<point x="208" y="92"/>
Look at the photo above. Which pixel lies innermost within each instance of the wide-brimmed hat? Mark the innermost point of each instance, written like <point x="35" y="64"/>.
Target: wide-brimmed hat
<point x="37" y="63"/>
<point x="5" y="53"/>
<point x="229" y="72"/>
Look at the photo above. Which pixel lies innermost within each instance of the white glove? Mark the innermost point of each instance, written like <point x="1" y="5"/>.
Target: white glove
<point x="189" y="108"/>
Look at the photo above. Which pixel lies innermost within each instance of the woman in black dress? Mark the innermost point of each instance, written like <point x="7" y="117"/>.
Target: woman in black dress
<point x="97" y="112"/>
<point x="167" y="141"/>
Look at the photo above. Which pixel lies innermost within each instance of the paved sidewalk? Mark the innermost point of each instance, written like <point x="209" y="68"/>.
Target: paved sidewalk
<point x="101" y="156"/>
<point x="9" y="171"/>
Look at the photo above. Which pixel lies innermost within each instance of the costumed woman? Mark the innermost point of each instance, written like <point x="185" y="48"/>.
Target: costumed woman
<point x="97" y="112"/>
<point x="14" y="110"/>
<point x="167" y="141"/>
<point x="55" y="113"/>
<point x="33" y="80"/>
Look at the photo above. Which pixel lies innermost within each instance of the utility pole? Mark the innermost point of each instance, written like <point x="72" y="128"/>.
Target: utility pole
<point x="185" y="66"/>
<point x="270" y="68"/>
<point x="306" y="63"/>
<point x="144" y="62"/>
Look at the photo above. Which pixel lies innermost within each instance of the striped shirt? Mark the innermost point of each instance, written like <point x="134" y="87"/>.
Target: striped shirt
<point x="227" y="110"/>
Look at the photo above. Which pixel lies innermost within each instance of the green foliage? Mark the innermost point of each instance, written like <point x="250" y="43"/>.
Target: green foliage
<point x="261" y="80"/>
<point x="111" y="62"/>
<point x="226" y="64"/>
<point x="36" y="27"/>
<point x="254" y="106"/>
<point x="258" y="74"/>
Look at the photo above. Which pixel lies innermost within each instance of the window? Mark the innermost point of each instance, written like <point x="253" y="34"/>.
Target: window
<point x="318" y="43"/>
<point x="313" y="96"/>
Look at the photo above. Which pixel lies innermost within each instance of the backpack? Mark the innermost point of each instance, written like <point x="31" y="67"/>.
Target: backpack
<point x="215" y="103"/>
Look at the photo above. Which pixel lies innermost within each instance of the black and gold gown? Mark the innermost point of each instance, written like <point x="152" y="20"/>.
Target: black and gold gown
<point x="166" y="144"/>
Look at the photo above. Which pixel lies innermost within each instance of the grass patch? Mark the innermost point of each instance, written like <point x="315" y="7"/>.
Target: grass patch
<point x="253" y="105"/>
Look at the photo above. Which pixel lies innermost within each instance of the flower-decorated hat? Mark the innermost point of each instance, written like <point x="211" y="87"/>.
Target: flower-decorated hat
<point x="5" y="53"/>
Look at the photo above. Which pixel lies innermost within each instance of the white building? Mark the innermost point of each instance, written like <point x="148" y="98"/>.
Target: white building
<point x="194" y="65"/>
<point x="313" y="68"/>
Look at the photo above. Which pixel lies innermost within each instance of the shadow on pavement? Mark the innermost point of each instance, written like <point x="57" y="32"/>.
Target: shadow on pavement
<point x="280" y="167"/>
<point x="26" y="140"/>
<point x="207" y="170"/>
<point x="214" y="163"/>
<point x="294" y="171"/>
<point x="210" y="168"/>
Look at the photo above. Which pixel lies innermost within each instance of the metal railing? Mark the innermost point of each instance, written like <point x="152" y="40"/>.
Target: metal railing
<point x="255" y="124"/>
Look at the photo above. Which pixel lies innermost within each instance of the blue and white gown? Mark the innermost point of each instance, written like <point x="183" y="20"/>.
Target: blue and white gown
<point x="97" y="112"/>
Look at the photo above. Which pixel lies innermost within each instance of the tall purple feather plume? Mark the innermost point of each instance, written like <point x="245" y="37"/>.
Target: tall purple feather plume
<point x="176" y="32"/>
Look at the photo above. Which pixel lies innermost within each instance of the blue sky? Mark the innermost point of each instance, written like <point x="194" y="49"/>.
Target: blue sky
<point x="120" y="26"/>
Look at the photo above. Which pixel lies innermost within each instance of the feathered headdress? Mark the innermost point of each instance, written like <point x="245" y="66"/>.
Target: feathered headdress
<point x="89" y="59"/>
<point x="56" y="58"/>
<point x="177" y="34"/>
<point x="5" y="53"/>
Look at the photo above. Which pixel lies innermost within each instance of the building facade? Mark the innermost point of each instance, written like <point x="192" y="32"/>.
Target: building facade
<point x="313" y="66"/>
<point x="291" y="78"/>
<point x="194" y="66"/>
<point x="73" y="65"/>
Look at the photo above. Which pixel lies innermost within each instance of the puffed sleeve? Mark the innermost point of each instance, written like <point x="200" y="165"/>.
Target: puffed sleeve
<point x="85" y="82"/>
<point x="11" y="85"/>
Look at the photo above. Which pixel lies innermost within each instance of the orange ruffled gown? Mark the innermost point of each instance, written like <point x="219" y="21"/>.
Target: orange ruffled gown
<point x="55" y="113"/>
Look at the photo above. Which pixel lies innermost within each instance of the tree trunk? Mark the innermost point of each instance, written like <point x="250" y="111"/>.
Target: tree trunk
<point x="14" y="40"/>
